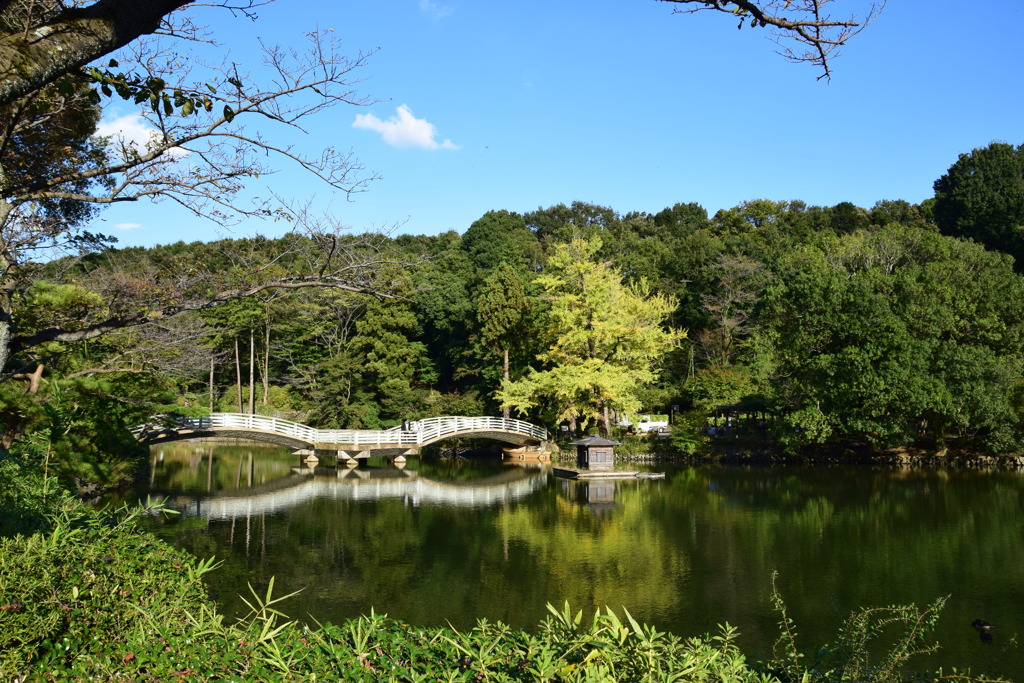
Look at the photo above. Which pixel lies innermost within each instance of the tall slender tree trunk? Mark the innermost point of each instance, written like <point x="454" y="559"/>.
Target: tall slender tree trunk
<point x="7" y="288"/>
<point x="252" y="371"/>
<point x="607" y="422"/>
<point x="266" y="363"/>
<point x="238" y="376"/>
<point x="211" y="383"/>
<point x="506" y="412"/>
<point x="5" y="339"/>
<point x="939" y="426"/>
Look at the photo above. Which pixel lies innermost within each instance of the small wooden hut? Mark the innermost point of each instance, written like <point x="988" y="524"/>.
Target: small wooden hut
<point x="595" y="453"/>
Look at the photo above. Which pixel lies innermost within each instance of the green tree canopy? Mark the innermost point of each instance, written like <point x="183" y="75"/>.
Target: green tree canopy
<point x="605" y="339"/>
<point x="501" y="237"/>
<point x="981" y="197"/>
<point x="501" y="312"/>
<point x="878" y="335"/>
<point x="560" y="224"/>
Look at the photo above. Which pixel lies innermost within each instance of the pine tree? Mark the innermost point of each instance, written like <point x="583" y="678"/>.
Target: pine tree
<point x="501" y="311"/>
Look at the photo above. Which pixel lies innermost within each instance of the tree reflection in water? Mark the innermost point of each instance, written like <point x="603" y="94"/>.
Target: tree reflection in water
<point x="684" y="554"/>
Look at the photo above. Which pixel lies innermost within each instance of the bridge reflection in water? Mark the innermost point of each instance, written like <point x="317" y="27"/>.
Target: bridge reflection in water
<point x="369" y="484"/>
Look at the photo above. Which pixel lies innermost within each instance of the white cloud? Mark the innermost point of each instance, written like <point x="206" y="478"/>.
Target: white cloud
<point x="128" y="226"/>
<point x="434" y="10"/>
<point x="135" y="131"/>
<point x="404" y="130"/>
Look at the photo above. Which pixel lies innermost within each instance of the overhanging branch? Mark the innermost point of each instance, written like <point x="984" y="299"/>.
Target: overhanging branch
<point x="19" y="343"/>
<point x="68" y="40"/>
<point x="803" y="29"/>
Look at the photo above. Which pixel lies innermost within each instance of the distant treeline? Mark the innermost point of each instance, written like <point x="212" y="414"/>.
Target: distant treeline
<point x="831" y="324"/>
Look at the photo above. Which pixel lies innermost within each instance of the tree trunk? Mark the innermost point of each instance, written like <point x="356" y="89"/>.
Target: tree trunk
<point x="5" y="339"/>
<point x="7" y="288"/>
<point x="266" y="364"/>
<point x="607" y="422"/>
<point x="252" y="371"/>
<point x="506" y="412"/>
<point x="939" y="426"/>
<point x="71" y="39"/>
<point x="211" y="383"/>
<point x="238" y="376"/>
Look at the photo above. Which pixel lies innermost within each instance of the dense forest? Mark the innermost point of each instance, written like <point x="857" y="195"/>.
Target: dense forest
<point x="881" y="326"/>
<point x="876" y="326"/>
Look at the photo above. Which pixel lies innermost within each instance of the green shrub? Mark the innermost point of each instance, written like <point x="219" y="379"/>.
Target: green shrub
<point x="74" y="428"/>
<point x="688" y="435"/>
<point x="84" y="581"/>
<point x="874" y="645"/>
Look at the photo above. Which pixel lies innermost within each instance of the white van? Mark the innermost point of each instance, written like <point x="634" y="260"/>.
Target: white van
<point x="646" y="425"/>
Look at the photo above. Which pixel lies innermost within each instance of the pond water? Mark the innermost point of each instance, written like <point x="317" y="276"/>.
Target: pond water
<point x="450" y="541"/>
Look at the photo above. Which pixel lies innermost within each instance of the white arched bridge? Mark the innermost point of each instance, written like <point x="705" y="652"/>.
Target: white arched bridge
<point x="345" y="443"/>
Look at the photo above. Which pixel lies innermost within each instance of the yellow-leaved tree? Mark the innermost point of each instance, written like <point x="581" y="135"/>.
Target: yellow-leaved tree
<point x="605" y="340"/>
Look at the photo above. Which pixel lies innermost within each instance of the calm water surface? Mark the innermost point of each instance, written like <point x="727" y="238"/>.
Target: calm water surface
<point x="446" y="541"/>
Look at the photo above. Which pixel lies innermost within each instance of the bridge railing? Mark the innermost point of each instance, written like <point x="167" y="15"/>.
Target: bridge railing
<point x="420" y="431"/>
<point x="433" y="428"/>
<point x="235" y="421"/>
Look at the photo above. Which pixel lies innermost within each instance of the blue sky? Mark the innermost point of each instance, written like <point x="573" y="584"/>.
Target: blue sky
<point x="487" y="106"/>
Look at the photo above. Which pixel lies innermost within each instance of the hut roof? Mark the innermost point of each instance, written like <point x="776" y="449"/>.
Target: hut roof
<point x="594" y="440"/>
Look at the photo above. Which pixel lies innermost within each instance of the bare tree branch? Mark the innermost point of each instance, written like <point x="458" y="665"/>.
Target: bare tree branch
<point x="200" y="155"/>
<point x="202" y="164"/>
<point x="729" y="306"/>
<point x="803" y="29"/>
<point x="326" y="257"/>
<point x="169" y="348"/>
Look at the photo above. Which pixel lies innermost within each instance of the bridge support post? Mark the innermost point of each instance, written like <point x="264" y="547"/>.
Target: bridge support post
<point x="306" y="455"/>
<point x="330" y="455"/>
<point x="349" y="458"/>
<point x="344" y="455"/>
